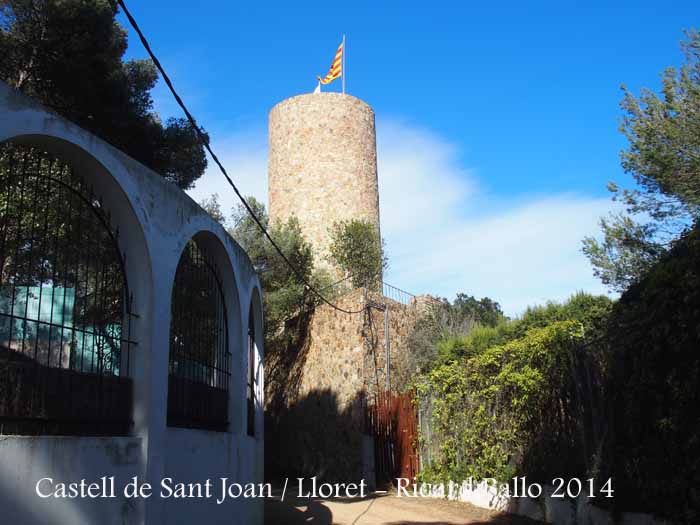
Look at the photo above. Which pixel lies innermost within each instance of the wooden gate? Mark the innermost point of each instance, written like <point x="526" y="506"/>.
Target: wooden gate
<point x="393" y="422"/>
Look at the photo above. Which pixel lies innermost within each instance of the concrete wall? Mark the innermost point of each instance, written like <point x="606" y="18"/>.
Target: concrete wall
<point x="322" y="164"/>
<point x="156" y="220"/>
<point x="198" y="455"/>
<point x="26" y="460"/>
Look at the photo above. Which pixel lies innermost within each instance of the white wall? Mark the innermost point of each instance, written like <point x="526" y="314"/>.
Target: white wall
<point x="156" y="220"/>
<point x="26" y="460"/>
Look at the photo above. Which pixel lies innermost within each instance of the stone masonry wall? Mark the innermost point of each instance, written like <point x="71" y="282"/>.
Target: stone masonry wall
<point x="322" y="164"/>
<point x="322" y="387"/>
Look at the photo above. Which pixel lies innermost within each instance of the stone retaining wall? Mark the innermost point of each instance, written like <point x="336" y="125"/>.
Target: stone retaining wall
<point x="317" y="391"/>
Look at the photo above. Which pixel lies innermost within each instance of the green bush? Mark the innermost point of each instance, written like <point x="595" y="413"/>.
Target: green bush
<point x="358" y="251"/>
<point x="487" y="409"/>
<point x="655" y="337"/>
<point x="584" y="389"/>
<point x="590" y="310"/>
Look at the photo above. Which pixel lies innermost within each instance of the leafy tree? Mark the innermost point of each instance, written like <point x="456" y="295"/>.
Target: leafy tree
<point x="438" y="328"/>
<point x="212" y="207"/>
<point x="285" y="294"/>
<point x="592" y="311"/>
<point x="484" y="311"/>
<point x="439" y="321"/>
<point x="67" y="54"/>
<point x="664" y="158"/>
<point x="358" y="250"/>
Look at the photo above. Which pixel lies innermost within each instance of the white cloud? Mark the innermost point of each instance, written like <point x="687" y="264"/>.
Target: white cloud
<point x="244" y="155"/>
<point x="418" y="178"/>
<point x="521" y="256"/>
<point x="444" y="233"/>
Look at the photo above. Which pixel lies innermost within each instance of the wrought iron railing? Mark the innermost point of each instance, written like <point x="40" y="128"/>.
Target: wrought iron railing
<point x="397" y="294"/>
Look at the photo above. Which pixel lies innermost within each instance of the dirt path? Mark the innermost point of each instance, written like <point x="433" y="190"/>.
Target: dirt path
<point x="384" y="510"/>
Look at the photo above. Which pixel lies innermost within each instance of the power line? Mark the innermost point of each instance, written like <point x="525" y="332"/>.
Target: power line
<point x="203" y="140"/>
<point x="350" y="276"/>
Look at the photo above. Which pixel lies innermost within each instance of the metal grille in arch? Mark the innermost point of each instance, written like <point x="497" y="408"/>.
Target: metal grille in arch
<point x="64" y="303"/>
<point x="199" y="360"/>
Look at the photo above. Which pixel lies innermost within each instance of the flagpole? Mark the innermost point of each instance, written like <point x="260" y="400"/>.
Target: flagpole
<point x="343" y="72"/>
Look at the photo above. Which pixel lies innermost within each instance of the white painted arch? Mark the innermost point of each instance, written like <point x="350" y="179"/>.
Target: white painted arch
<point x="156" y="220"/>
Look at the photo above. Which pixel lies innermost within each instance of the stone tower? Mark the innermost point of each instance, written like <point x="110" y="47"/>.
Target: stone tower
<point x="322" y="164"/>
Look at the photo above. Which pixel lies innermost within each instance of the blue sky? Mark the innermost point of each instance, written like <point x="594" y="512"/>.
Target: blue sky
<point x="497" y="122"/>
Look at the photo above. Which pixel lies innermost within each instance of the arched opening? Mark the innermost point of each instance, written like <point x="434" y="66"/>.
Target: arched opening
<point x="199" y="361"/>
<point x="64" y="303"/>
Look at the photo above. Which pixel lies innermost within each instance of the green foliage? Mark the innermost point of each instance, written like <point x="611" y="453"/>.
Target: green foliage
<point x="454" y="332"/>
<point x="67" y="54"/>
<point x="484" y="311"/>
<point x="588" y="388"/>
<point x="504" y="398"/>
<point x="285" y="295"/>
<point x="664" y="159"/>
<point x="212" y="207"/>
<point x="589" y="310"/>
<point x="487" y="409"/>
<point x="655" y="338"/>
<point x="358" y="251"/>
<point x="439" y="325"/>
<point x="627" y="250"/>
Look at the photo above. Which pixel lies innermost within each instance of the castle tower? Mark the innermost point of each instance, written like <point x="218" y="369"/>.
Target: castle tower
<point x="322" y="165"/>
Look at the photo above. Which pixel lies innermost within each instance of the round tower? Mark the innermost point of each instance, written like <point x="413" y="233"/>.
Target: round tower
<point x="322" y="165"/>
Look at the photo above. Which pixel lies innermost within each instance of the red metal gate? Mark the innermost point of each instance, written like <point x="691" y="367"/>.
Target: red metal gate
<point x="393" y="422"/>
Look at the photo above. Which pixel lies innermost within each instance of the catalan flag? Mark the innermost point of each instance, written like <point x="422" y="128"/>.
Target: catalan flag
<point x="336" y="69"/>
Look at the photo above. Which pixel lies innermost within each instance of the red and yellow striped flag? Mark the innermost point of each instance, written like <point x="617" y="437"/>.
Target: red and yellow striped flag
<point x="336" y="67"/>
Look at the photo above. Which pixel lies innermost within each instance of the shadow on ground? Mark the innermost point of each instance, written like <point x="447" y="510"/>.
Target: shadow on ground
<point x="364" y="512"/>
<point x="499" y="519"/>
<point x="317" y="512"/>
<point x="282" y="513"/>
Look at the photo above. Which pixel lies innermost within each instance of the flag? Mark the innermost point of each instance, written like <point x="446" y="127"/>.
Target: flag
<point x="336" y="67"/>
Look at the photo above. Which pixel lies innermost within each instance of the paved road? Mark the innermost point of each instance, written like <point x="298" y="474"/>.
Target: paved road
<point x="384" y="510"/>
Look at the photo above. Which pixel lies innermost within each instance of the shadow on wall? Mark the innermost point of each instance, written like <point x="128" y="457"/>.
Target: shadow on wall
<point x="309" y="435"/>
<point x="315" y="437"/>
<point x="27" y="459"/>
<point x="285" y="358"/>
